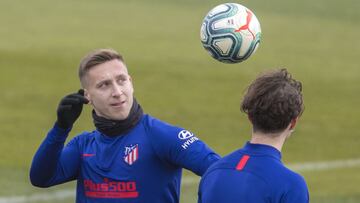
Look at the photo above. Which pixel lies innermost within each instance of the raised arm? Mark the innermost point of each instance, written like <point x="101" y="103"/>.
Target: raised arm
<point x="53" y="163"/>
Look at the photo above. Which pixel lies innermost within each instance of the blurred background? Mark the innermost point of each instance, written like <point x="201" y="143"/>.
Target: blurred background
<point x="42" y="42"/>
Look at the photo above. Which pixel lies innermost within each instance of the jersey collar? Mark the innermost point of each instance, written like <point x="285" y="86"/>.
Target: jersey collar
<point x="261" y="149"/>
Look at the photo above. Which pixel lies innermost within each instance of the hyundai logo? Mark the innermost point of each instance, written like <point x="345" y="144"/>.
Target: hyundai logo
<point x="184" y="134"/>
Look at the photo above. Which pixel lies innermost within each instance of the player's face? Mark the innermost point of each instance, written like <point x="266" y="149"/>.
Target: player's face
<point x="109" y="89"/>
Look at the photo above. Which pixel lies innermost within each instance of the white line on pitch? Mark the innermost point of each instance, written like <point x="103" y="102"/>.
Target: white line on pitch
<point x="190" y="180"/>
<point x="40" y="197"/>
<point x="324" y="165"/>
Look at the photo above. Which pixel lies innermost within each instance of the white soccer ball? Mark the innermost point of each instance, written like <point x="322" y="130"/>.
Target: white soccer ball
<point x="230" y="32"/>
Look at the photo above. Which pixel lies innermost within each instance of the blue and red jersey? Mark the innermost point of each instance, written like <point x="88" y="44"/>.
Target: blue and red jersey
<point x="253" y="174"/>
<point x="144" y="165"/>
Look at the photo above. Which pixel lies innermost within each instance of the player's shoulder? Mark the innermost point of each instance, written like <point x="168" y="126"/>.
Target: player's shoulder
<point x="226" y="163"/>
<point x="83" y="138"/>
<point x="230" y="160"/>
<point x="157" y="127"/>
<point x="285" y="176"/>
<point x="86" y="135"/>
<point x="294" y="178"/>
<point x="294" y="187"/>
<point x="163" y="135"/>
<point x="151" y="121"/>
<point x="285" y="172"/>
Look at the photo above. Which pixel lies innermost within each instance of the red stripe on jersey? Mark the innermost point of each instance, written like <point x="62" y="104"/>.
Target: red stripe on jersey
<point x="242" y="162"/>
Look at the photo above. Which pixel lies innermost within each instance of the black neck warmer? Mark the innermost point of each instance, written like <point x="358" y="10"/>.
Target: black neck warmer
<point x="118" y="127"/>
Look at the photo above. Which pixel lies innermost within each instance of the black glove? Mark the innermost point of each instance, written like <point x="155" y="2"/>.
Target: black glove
<point x="70" y="108"/>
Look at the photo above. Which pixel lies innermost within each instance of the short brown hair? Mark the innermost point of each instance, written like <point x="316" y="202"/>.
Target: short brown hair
<point x="96" y="57"/>
<point x="272" y="101"/>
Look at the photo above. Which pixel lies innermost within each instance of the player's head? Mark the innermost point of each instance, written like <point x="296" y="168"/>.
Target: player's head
<point x="273" y="102"/>
<point x="108" y="86"/>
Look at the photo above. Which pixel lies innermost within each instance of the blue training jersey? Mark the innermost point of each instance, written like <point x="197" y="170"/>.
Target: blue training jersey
<point x="144" y="165"/>
<point x="253" y="174"/>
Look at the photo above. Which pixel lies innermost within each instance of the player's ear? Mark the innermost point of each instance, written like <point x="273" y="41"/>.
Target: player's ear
<point x="87" y="95"/>
<point x="293" y="123"/>
<point x="132" y="84"/>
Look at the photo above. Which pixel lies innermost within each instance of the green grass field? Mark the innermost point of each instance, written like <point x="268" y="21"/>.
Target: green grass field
<point x="41" y="43"/>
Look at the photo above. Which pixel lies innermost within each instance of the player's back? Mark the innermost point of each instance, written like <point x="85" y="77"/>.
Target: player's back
<point x="253" y="174"/>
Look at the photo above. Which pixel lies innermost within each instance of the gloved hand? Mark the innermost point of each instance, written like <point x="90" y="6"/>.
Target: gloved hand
<point x="70" y="108"/>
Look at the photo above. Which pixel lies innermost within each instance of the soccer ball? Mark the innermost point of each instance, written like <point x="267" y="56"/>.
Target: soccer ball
<point x="230" y="32"/>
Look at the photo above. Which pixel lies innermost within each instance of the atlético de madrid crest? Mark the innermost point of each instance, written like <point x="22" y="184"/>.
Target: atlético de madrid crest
<point x="131" y="154"/>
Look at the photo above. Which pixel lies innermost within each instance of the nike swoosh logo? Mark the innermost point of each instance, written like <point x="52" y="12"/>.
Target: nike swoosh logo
<point x="88" y="155"/>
